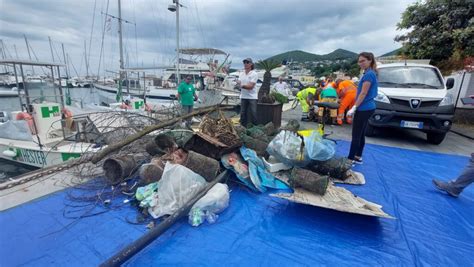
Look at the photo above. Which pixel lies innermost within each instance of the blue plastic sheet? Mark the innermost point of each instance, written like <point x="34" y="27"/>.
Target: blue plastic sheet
<point x="431" y="229"/>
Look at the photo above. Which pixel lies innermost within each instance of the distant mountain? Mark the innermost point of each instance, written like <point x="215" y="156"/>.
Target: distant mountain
<point x="392" y="53"/>
<point x="302" y="56"/>
<point x="339" y="54"/>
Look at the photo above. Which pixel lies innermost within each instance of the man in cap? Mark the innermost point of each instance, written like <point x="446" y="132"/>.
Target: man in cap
<point x="187" y="96"/>
<point x="248" y="93"/>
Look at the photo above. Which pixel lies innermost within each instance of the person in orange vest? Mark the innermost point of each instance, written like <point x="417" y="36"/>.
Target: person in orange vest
<point x="347" y="92"/>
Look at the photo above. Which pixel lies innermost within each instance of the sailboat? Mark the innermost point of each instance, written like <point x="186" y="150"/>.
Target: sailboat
<point x="206" y="74"/>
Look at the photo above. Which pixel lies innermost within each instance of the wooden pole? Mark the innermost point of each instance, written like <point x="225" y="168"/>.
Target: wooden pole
<point x="126" y="253"/>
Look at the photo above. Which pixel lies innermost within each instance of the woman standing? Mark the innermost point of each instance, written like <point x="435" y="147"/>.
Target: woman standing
<point x="364" y="106"/>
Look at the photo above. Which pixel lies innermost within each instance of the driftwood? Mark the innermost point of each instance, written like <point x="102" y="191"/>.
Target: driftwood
<point x="109" y="149"/>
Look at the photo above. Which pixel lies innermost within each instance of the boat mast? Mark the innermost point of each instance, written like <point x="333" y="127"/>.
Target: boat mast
<point x="29" y="54"/>
<point x="85" y="59"/>
<point x="65" y="60"/>
<point x="175" y="8"/>
<point x="177" y="43"/>
<point x="120" y="44"/>
<point x="51" y="47"/>
<point x="4" y="55"/>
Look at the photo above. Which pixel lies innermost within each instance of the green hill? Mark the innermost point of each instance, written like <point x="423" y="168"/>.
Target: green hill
<point x="302" y="56"/>
<point x="339" y="54"/>
<point x="392" y="53"/>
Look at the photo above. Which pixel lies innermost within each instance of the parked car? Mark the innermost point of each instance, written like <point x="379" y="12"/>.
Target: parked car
<point x="413" y="96"/>
<point x="294" y="84"/>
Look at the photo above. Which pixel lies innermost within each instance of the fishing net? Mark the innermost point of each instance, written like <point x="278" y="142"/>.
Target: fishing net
<point x="292" y="125"/>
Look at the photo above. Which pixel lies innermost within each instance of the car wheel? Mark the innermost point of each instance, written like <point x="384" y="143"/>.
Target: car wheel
<point x="370" y="130"/>
<point x="435" y="138"/>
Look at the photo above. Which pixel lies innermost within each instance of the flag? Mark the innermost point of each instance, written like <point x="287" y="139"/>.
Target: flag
<point x="68" y="97"/>
<point x="118" y="97"/>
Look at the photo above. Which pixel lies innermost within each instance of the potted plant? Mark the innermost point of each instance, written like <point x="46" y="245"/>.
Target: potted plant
<point x="268" y="110"/>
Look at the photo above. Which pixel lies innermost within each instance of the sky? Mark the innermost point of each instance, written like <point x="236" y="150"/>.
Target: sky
<point x="245" y="28"/>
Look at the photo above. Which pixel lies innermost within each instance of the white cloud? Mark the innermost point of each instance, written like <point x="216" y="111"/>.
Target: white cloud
<point x="258" y="29"/>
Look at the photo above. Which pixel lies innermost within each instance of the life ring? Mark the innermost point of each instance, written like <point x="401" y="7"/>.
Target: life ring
<point x="26" y="117"/>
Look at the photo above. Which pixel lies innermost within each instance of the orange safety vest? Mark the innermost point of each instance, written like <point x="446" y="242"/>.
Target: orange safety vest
<point x="344" y="87"/>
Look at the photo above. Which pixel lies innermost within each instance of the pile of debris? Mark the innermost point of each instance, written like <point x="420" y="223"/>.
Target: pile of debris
<point x="181" y="162"/>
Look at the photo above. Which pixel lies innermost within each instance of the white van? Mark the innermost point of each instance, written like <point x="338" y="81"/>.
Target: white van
<point x="413" y="96"/>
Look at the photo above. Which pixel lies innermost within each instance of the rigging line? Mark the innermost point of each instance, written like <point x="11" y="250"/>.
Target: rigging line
<point x="80" y="65"/>
<point x="34" y="54"/>
<point x="56" y="51"/>
<point x="103" y="35"/>
<point x="6" y="50"/>
<point x="74" y="67"/>
<point x="206" y="43"/>
<point x="92" y="31"/>
<point x="136" y="42"/>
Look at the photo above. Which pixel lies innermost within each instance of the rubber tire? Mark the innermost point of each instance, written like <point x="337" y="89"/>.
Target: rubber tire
<point x="370" y="130"/>
<point x="435" y="138"/>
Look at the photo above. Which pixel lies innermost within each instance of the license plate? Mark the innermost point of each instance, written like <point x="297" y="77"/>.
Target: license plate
<point x="412" y="124"/>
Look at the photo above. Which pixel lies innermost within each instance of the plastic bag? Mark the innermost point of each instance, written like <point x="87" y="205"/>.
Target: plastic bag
<point x="215" y="201"/>
<point x="176" y="187"/>
<point x="319" y="148"/>
<point x="235" y="163"/>
<point x="288" y="148"/>
<point x="259" y="173"/>
<point x="145" y="194"/>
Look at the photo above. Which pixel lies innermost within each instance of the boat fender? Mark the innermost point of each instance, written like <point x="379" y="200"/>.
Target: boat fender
<point x="68" y="118"/>
<point x="9" y="153"/>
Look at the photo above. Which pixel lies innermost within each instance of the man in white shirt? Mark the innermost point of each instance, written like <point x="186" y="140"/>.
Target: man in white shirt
<point x="281" y="87"/>
<point x="248" y="93"/>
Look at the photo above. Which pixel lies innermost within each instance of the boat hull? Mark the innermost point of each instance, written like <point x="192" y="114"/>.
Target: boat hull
<point x="30" y="154"/>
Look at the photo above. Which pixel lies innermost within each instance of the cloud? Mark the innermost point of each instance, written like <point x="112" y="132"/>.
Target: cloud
<point x="246" y="28"/>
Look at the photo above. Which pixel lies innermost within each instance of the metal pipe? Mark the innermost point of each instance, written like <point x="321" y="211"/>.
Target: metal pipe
<point x="126" y="253"/>
<point x="28" y="104"/>
<point x="54" y="87"/>
<point x="18" y="86"/>
<point x="62" y="101"/>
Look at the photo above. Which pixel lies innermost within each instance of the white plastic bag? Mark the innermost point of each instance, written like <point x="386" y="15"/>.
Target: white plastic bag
<point x="215" y="201"/>
<point x="176" y="187"/>
<point x="288" y="148"/>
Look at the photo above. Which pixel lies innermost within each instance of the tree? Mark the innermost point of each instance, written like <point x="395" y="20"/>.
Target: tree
<point x="266" y="65"/>
<point x="441" y="30"/>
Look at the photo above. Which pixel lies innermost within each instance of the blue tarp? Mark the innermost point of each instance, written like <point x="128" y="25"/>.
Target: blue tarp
<point x="431" y="228"/>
